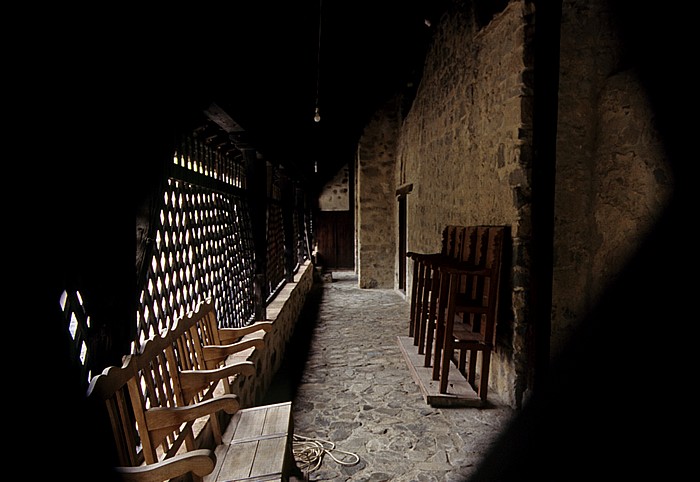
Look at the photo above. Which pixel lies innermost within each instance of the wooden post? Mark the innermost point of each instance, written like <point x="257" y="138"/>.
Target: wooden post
<point x="256" y="182"/>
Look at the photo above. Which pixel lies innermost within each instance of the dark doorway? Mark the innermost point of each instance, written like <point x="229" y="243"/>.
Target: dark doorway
<point x="335" y="237"/>
<point x="401" y="194"/>
<point x="402" y="243"/>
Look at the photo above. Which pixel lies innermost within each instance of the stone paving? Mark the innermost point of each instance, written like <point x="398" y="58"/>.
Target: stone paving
<point x="350" y="386"/>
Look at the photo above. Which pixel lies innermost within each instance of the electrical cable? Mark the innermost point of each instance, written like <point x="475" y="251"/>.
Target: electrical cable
<point x="309" y="453"/>
<point x="317" y="115"/>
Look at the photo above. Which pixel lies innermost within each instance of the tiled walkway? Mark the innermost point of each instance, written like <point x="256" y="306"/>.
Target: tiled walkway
<point x="351" y="387"/>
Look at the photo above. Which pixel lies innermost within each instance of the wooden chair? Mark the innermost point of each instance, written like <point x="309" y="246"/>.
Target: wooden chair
<point x="425" y="285"/>
<point x="139" y="404"/>
<point x="201" y="350"/>
<point x="156" y="400"/>
<point x="220" y="343"/>
<point x="469" y="294"/>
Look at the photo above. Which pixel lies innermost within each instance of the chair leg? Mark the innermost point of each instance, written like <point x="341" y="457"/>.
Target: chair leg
<point x="445" y="366"/>
<point x="462" y="365"/>
<point x="427" y="351"/>
<point x="424" y="316"/>
<point x="423" y="299"/>
<point x="442" y="306"/>
<point x="420" y="302"/>
<point x="431" y="316"/>
<point x="414" y="299"/>
<point x="484" y="381"/>
<point x="446" y="338"/>
<point x="471" y="368"/>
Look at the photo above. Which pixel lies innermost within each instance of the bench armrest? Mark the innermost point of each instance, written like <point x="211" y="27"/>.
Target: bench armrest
<point x="193" y="381"/>
<point x="199" y="462"/>
<point x="161" y="421"/>
<point x="215" y="354"/>
<point x="230" y="335"/>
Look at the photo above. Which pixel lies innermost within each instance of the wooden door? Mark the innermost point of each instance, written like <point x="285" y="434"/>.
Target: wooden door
<point x="335" y="238"/>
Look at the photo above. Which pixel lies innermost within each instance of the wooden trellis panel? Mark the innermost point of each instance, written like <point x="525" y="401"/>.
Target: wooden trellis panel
<point x="78" y="324"/>
<point x="203" y="249"/>
<point x="275" y="248"/>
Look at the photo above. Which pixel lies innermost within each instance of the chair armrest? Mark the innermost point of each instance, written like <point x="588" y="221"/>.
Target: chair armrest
<point x="423" y="256"/>
<point x="199" y="462"/>
<point x="214" y="354"/>
<point x="161" y="421"/>
<point x="230" y="335"/>
<point x="461" y="267"/>
<point x="192" y="381"/>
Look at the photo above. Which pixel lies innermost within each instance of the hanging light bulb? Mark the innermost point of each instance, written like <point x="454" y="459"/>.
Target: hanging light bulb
<point x="317" y="114"/>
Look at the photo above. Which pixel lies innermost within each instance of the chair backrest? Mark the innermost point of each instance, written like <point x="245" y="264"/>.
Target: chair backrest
<point x="146" y="382"/>
<point x="157" y="385"/>
<point x="452" y="240"/>
<point x="110" y="390"/>
<point x="482" y="247"/>
<point x="191" y="333"/>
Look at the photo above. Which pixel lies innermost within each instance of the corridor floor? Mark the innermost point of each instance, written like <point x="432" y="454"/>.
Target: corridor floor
<point x="351" y="387"/>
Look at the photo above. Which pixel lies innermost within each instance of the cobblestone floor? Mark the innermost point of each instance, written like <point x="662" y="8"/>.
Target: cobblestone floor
<point x="350" y="386"/>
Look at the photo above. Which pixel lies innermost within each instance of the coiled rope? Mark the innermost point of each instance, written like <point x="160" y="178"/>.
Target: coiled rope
<point x="309" y="453"/>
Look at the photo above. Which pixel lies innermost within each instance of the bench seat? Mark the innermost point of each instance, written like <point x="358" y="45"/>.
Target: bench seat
<point x="257" y="446"/>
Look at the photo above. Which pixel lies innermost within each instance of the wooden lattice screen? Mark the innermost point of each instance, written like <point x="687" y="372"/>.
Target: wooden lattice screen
<point x="203" y="246"/>
<point x="78" y="324"/>
<point x="275" y="248"/>
<point x="203" y="249"/>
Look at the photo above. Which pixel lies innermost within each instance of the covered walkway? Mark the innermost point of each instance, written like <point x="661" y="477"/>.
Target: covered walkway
<point x="351" y="387"/>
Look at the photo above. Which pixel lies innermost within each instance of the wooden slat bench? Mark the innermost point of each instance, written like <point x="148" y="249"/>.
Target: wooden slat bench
<point x="154" y="400"/>
<point x="256" y="445"/>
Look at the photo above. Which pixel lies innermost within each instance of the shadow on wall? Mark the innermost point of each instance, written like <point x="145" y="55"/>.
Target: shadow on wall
<point x="285" y="382"/>
<point x="613" y="406"/>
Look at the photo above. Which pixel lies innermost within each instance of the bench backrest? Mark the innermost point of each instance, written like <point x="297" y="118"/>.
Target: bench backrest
<point x="154" y="398"/>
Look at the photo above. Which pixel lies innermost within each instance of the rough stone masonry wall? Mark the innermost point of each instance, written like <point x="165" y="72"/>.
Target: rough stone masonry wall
<point x="612" y="178"/>
<point x="283" y="311"/>
<point x="466" y="147"/>
<point x="376" y="201"/>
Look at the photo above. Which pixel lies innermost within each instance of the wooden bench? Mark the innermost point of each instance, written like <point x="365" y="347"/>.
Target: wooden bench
<point x="256" y="445"/>
<point x="153" y="401"/>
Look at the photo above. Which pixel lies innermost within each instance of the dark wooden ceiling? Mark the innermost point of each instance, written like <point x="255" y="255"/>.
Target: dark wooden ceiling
<point x="262" y="62"/>
<point x="272" y="67"/>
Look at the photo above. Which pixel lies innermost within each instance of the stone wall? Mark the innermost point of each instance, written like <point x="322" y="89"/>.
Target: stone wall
<point x="466" y="147"/>
<point x="612" y="178"/>
<point x="376" y="218"/>
<point x="335" y="195"/>
<point x="284" y="311"/>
